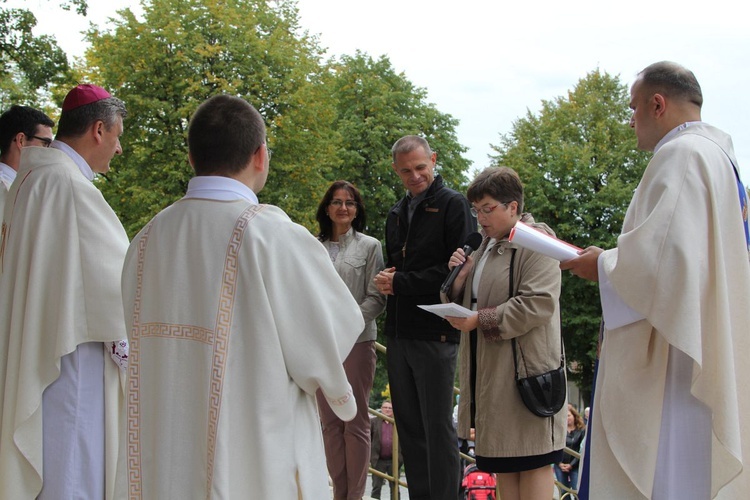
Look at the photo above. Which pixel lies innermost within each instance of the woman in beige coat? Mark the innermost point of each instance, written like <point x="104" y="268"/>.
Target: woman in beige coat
<point x="510" y="440"/>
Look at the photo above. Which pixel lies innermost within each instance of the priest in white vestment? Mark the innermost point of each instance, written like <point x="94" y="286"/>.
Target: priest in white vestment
<point x="20" y="127"/>
<point x="672" y="408"/>
<point x="61" y="319"/>
<point x="236" y="316"/>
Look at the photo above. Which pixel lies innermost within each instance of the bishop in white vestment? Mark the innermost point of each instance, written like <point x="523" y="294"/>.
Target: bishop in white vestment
<point x="61" y="313"/>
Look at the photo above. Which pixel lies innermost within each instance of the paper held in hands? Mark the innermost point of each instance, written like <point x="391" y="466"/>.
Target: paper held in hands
<point x="530" y="238"/>
<point x="449" y="309"/>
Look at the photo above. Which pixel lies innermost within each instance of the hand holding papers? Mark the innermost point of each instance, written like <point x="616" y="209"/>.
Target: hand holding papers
<point x="530" y="238"/>
<point x="450" y="309"/>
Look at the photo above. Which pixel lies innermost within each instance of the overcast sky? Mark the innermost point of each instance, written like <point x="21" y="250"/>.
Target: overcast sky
<point x="487" y="61"/>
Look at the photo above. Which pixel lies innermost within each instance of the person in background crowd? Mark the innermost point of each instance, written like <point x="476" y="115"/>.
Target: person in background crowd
<point x="566" y="471"/>
<point x="381" y="456"/>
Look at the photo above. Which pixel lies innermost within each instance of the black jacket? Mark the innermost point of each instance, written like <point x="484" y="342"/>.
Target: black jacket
<point x="573" y="441"/>
<point x="420" y="254"/>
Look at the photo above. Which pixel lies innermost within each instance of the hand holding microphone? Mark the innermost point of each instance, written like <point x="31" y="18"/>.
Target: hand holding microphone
<point x="472" y="243"/>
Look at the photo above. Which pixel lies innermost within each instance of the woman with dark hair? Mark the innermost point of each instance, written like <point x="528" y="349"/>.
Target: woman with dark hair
<point x="566" y="470"/>
<point x="515" y="294"/>
<point x="357" y="258"/>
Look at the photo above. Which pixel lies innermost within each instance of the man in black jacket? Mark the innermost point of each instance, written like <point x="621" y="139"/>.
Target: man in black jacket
<point x="423" y="229"/>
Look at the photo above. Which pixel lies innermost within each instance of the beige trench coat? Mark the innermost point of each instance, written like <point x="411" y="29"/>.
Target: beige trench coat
<point x="504" y="426"/>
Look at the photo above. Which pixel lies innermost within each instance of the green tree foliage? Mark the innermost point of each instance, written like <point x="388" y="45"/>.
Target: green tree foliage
<point x="375" y="107"/>
<point x="579" y="163"/>
<point x="184" y="51"/>
<point x="28" y="64"/>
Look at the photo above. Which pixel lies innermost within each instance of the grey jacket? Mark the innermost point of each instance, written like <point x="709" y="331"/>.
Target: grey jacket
<point x="360" y="258"/>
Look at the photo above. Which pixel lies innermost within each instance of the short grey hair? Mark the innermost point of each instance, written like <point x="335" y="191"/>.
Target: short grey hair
<point x="76" y="122"/>
<point x="409" y="143"/>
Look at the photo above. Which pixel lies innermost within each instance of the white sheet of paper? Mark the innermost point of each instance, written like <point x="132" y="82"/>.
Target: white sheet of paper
<point x="530" y="238"/>
<point x="450" y="309"/>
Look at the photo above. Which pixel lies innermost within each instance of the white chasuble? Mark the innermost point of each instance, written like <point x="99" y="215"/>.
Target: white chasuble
<point x="61" y="257"/>
<point x="681" y="263"/>
<point x="236" y="317"/>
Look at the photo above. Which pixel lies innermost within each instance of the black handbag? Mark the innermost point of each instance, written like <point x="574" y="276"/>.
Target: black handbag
<point x="544" y="394"/>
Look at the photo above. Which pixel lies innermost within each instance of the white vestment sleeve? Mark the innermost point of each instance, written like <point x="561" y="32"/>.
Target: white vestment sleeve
<point x="316" y="317"/>
<point x="615" y="311"/>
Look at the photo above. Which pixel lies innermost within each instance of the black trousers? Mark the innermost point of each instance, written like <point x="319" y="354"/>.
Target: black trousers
<point x="421" y="376"/>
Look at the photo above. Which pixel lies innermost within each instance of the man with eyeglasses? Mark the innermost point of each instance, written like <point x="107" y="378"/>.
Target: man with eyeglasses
<point x="62" y="353"/>
<point x="423" y="229"/>
<point x="20" y="126"/>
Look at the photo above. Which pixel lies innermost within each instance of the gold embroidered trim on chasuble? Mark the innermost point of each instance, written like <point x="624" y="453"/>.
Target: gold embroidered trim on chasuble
<point x="218" y="339"/>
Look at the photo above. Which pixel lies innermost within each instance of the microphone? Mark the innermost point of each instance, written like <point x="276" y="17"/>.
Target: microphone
<point x="472" y="243"/>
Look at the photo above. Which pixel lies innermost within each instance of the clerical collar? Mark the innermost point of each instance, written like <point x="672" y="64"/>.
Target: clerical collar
<point x="670" y="135"/>
<point x="7" y="173"/>
<point x="82" y="165"/>
<point x="217" y="187"/>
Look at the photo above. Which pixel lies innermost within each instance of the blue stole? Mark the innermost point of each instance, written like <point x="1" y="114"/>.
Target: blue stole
<point x="743" y="206"/>
<point x="743" y="200"/>
<point x="585" y="473"/>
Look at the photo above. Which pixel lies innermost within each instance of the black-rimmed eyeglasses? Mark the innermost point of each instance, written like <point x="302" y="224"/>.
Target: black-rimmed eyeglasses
<point x="44" y="140"/>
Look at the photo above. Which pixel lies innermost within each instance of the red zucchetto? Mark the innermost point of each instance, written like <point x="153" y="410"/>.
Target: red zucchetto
<point x="82" y="95"/>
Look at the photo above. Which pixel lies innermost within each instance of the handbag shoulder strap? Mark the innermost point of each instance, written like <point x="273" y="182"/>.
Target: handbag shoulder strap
<point x="511" y="294"/>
